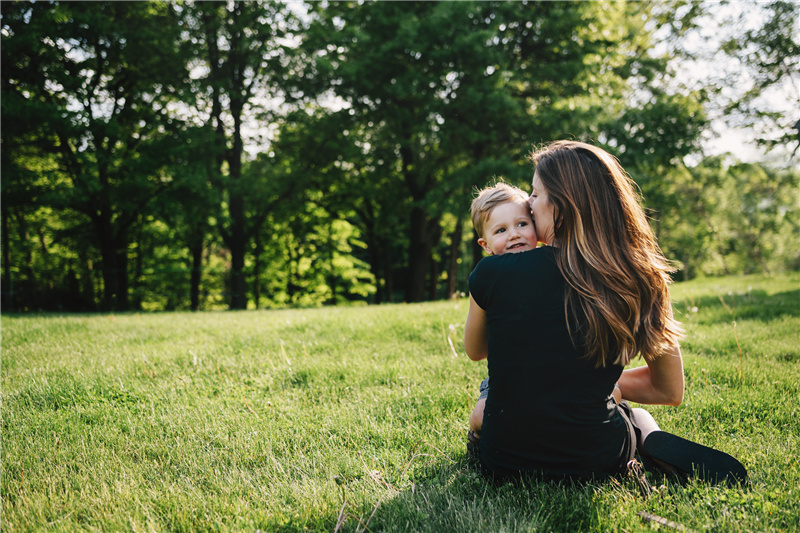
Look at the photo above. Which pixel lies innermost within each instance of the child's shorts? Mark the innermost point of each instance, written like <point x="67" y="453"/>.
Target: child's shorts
<point x="484" y="390"/>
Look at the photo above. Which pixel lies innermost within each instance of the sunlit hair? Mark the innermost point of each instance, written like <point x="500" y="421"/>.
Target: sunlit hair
<point x="617" y="276"/>
<point x="491" y="197"/>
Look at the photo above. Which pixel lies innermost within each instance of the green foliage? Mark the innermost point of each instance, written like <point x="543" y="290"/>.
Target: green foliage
<point x="296" y="420"/>
<point x="98" y="79"/>
<point x="55" y="260"/>
<point x="770" y="52"/>
<point x="719" y="219"/>
<point x="316" y="264"/>
<point x="241" y="50"/>
<point x="129" y="179"/>
<point x="449" y="95"/>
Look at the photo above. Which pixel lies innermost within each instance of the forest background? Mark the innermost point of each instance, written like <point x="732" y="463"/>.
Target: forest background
<point x="206" y="155"/>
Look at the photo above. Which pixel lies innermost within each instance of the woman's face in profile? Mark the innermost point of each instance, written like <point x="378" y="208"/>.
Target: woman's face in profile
<point x="542" y="211"/>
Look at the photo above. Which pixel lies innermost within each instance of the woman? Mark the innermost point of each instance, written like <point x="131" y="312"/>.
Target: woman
<point x="562" y="321"/>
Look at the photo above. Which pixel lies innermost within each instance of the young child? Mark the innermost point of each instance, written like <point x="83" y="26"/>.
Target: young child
<point x="502" y="219"/>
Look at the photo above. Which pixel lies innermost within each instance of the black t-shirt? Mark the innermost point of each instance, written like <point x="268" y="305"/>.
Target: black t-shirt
<point x="549" y="410"/>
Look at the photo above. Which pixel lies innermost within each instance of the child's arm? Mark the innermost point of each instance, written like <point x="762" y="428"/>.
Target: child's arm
<point x="476" y="335"/>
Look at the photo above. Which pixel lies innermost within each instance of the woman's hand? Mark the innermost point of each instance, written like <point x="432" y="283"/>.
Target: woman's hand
<point x="661" y="382"/>
<point x="617" y="393"/>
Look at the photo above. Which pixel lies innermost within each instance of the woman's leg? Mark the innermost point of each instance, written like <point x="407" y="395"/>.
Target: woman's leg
<point x="646" y="423"/>
<point x="675" y="455"/>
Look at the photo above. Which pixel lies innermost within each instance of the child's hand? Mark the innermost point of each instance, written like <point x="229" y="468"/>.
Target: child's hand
<point x="617" y="393"/>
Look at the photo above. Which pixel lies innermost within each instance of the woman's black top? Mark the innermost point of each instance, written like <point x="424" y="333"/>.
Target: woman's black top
<point x="549" y="410"/>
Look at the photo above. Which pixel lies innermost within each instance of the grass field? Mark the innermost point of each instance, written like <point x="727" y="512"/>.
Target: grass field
<point x="353" y="419"/>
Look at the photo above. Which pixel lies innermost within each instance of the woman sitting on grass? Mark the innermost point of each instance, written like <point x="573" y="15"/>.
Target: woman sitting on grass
<point x="562" y="321"/>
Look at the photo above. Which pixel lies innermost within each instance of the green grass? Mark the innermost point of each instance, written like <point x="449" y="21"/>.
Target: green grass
<point x="315" y="419"/>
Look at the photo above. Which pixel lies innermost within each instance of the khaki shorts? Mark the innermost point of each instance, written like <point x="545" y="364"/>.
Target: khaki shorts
<point x="484" y="390"/>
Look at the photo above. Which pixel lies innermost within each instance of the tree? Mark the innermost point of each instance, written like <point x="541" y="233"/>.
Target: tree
<point x="329" y="157"/>
<point x="403" y="71"/>
<point x="240" y="51"/>
<point x="455" y="94"/>
<point x="188" y="209"/>
<point x="770" y="53"/>
<point x="98" y="79"/>
<point x="730" y="219"/>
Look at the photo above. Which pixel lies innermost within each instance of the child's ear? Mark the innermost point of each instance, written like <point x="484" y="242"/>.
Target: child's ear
<point x="485" y="246"/>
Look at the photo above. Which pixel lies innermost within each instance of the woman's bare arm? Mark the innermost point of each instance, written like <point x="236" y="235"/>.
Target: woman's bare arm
<point x="661" y="382"/>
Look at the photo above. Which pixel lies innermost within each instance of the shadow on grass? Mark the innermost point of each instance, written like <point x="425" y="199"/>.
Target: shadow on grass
<point x="445" y="496"/>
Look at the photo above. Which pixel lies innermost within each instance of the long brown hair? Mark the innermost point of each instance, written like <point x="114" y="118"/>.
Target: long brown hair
<point x="617" y="277"/>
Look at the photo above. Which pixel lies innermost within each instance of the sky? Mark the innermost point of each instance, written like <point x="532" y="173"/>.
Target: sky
<point x="713" y="66"/>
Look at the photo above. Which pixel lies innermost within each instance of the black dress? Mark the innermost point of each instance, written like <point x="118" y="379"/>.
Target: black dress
<point x="549" y="410"/>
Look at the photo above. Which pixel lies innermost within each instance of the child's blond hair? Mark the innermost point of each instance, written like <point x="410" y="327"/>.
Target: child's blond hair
<point x="491" y="197"/>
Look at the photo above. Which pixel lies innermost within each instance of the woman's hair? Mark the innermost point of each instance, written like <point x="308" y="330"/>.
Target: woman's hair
<point x="491" y="197"/>
<point x="616" y="275"/>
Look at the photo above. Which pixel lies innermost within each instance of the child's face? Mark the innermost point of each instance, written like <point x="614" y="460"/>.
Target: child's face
<point x="509" y="229"/>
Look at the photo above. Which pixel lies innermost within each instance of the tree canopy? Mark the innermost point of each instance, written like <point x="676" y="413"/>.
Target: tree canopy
<point x="265" y="154"/>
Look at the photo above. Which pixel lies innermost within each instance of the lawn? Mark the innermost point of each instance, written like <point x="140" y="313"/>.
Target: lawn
<point x="354" y="418"/>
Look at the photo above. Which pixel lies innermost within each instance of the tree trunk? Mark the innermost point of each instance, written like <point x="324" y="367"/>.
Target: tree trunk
<point x="455" y="252"/>
<point x="8" y="281"/>
<point x="435" y="236"/>
<point x="238" y="282"/>
<point x="238" y="230"/>
<point x="121" y="250"/>
<point x="138" y="269"/>
<point x="238" y="245"/>
<point x="194" y="282"/>
<point x="114" y="253"/>
<point x="433" y="280"/>
<point x="109" y="279"/>
<point x="257" y="269"/>
<point x="331" y="269"/>
<point x="109" y="258"/>
<point x="375" y="264"/>
<point x="388" y="277"/>
<point x="291" y="286"/>
<point x="419" y="255"/>
<point x="43" y="247"/>
<point x="87" y="288"/>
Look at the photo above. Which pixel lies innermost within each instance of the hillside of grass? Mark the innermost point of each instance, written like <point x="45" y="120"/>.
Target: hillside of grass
<point x="354" y="419"/>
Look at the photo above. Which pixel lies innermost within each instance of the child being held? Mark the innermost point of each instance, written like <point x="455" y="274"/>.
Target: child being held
<point x="502" y="219"/>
